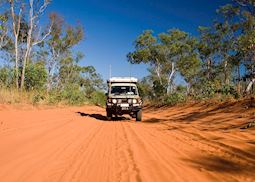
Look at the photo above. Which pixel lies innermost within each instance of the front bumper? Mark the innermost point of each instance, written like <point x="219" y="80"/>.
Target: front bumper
<point x="123" y="108"/>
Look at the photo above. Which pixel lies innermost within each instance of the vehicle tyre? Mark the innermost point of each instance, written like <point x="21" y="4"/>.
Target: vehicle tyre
<point x="139" y="115"/>
<point x="109" y="115"/>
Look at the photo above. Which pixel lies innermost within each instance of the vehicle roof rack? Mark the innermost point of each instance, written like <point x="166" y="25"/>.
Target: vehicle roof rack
<point x="122" y="80"/>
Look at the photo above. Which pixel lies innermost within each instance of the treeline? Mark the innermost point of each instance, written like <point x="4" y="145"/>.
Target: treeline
<point x="39" y="57"/>
<point x="219" y="63"/>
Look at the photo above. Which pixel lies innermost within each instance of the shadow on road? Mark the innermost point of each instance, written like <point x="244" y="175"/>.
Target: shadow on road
<point x="102" y="117"/>
<point x="222" y="165"/>
<point x="153" y="120"/>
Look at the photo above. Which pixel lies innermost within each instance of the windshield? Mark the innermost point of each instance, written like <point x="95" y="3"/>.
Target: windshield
<point x="123" y="90"/>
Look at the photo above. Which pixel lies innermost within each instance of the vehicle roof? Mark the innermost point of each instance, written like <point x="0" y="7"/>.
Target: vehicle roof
<point x="123" y="84"/>
<point x="122" y="80"/>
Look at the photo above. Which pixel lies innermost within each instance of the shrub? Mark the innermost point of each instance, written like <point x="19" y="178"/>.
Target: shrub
<point x="209" y="89"/>
<point x="73" y="95"/>
<point x="174" y="99"/>
<point x="54" y="97"/>
<point x="229" y="90"/>
<point x="98" y="98"/>
<point x="70" y="95"/>
<point x="37" y="97"/>
<point x="181" y="89"/>
<point x="36" y="76"/>
<point x="6" y="77"/>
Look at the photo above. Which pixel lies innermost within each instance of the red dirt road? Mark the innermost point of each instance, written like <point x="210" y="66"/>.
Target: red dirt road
<point x="187" y="143"/>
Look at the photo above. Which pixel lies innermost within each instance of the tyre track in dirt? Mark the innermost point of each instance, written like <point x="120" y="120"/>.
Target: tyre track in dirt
<point x="226" y="152"/>
<point x="44" y="151"/>
<point x="236" y="163"/>
<point x="165" y="155"/>
<point x="62" y="145"/>
<point x="71" y="172"/>
<point x="208" y="149"/>
<point x="128" y="156"/>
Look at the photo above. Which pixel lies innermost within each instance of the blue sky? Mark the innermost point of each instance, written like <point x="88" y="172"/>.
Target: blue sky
<point x="112" y="26"/>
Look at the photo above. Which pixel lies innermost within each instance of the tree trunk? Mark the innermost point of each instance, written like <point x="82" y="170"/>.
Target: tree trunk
<point x="209" y="63"/>
<point x="249" y="87"/>
<point x="16" y="31"/>
<point x="239" y="79"/>
<point x="170" y="78"/>
<point x="158" y="72"/>
<point x="3" y="36"/>
<point x="226" y="80"/>
<point x="16" y="63"/>
<point x="28" y="49"/>
<point x="49" y="80"/>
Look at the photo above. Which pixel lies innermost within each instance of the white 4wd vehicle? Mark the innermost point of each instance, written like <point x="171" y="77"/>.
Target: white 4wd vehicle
<point x="123" y="98"/>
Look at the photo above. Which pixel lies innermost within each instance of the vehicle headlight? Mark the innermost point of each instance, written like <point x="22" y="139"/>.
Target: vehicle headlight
<point x="130" y="101"/>
<point x="119" y="101"/>
<point x="114" y="101"/>
<point x="134" y="101"/>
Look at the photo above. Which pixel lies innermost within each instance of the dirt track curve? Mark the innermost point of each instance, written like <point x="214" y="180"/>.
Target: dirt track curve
<point x="194" y="143"/>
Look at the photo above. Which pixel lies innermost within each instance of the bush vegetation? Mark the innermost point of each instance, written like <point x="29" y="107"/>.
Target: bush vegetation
<point x="217" y="64"/>
<point x="42" y="66"/>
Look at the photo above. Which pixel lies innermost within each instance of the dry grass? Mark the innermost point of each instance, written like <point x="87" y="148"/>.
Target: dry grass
<point x="13" y="96"/>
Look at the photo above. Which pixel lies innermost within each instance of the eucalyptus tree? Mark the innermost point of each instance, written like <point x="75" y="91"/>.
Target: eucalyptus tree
<point x="3" y="30"/>
<point x="147" y="51"/>
<point x="26" y="14"/>
<point x="246" y="39"/>
<point x="76" y="77"/>
<point x="63" y="38"/>
<point x="246" y="43"/>
<point x="166" y="54"/>
<point x="208" y="43"/>
<point x="218" y="43"/>
<point x="16" y="11"/>
<point x="182" y="56"/>
<point x="34" y="35"/>
<point x="227" y="27"/>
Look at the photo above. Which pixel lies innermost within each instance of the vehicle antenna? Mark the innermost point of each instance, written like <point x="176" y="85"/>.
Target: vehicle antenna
<point x="110" y="71"/>
<point x="130" y="74"/>
<point x="130" y="70"/>
<point x="110" y="75"/>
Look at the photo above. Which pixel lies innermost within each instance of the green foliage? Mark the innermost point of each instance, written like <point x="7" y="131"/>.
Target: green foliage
<point x="174" y="99"/>
<point x="6" y="77"/>
<point x="158" y="89"/>
<point x="98" y="98"/>
<point x="215" y="64"/>
<point x="84" y="76"/>
<point x="54" y="97"/>
<point x="52" y="71"/>
<point x="77" y="84"/>
<point x="73" y="95"/>
<point x="167" y="54"/>
<point x="38" y="97"/>
<point x="189" y="68"/>
<point x="209" y="89"/>
<point x="229" y="90"/>
<point x="145" y="89"/>
<point x="36" y="76"/>
<point x="181" y="89"/>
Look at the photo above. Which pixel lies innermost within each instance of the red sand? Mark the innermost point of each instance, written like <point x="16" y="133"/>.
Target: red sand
<point x="186" y="143"/>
